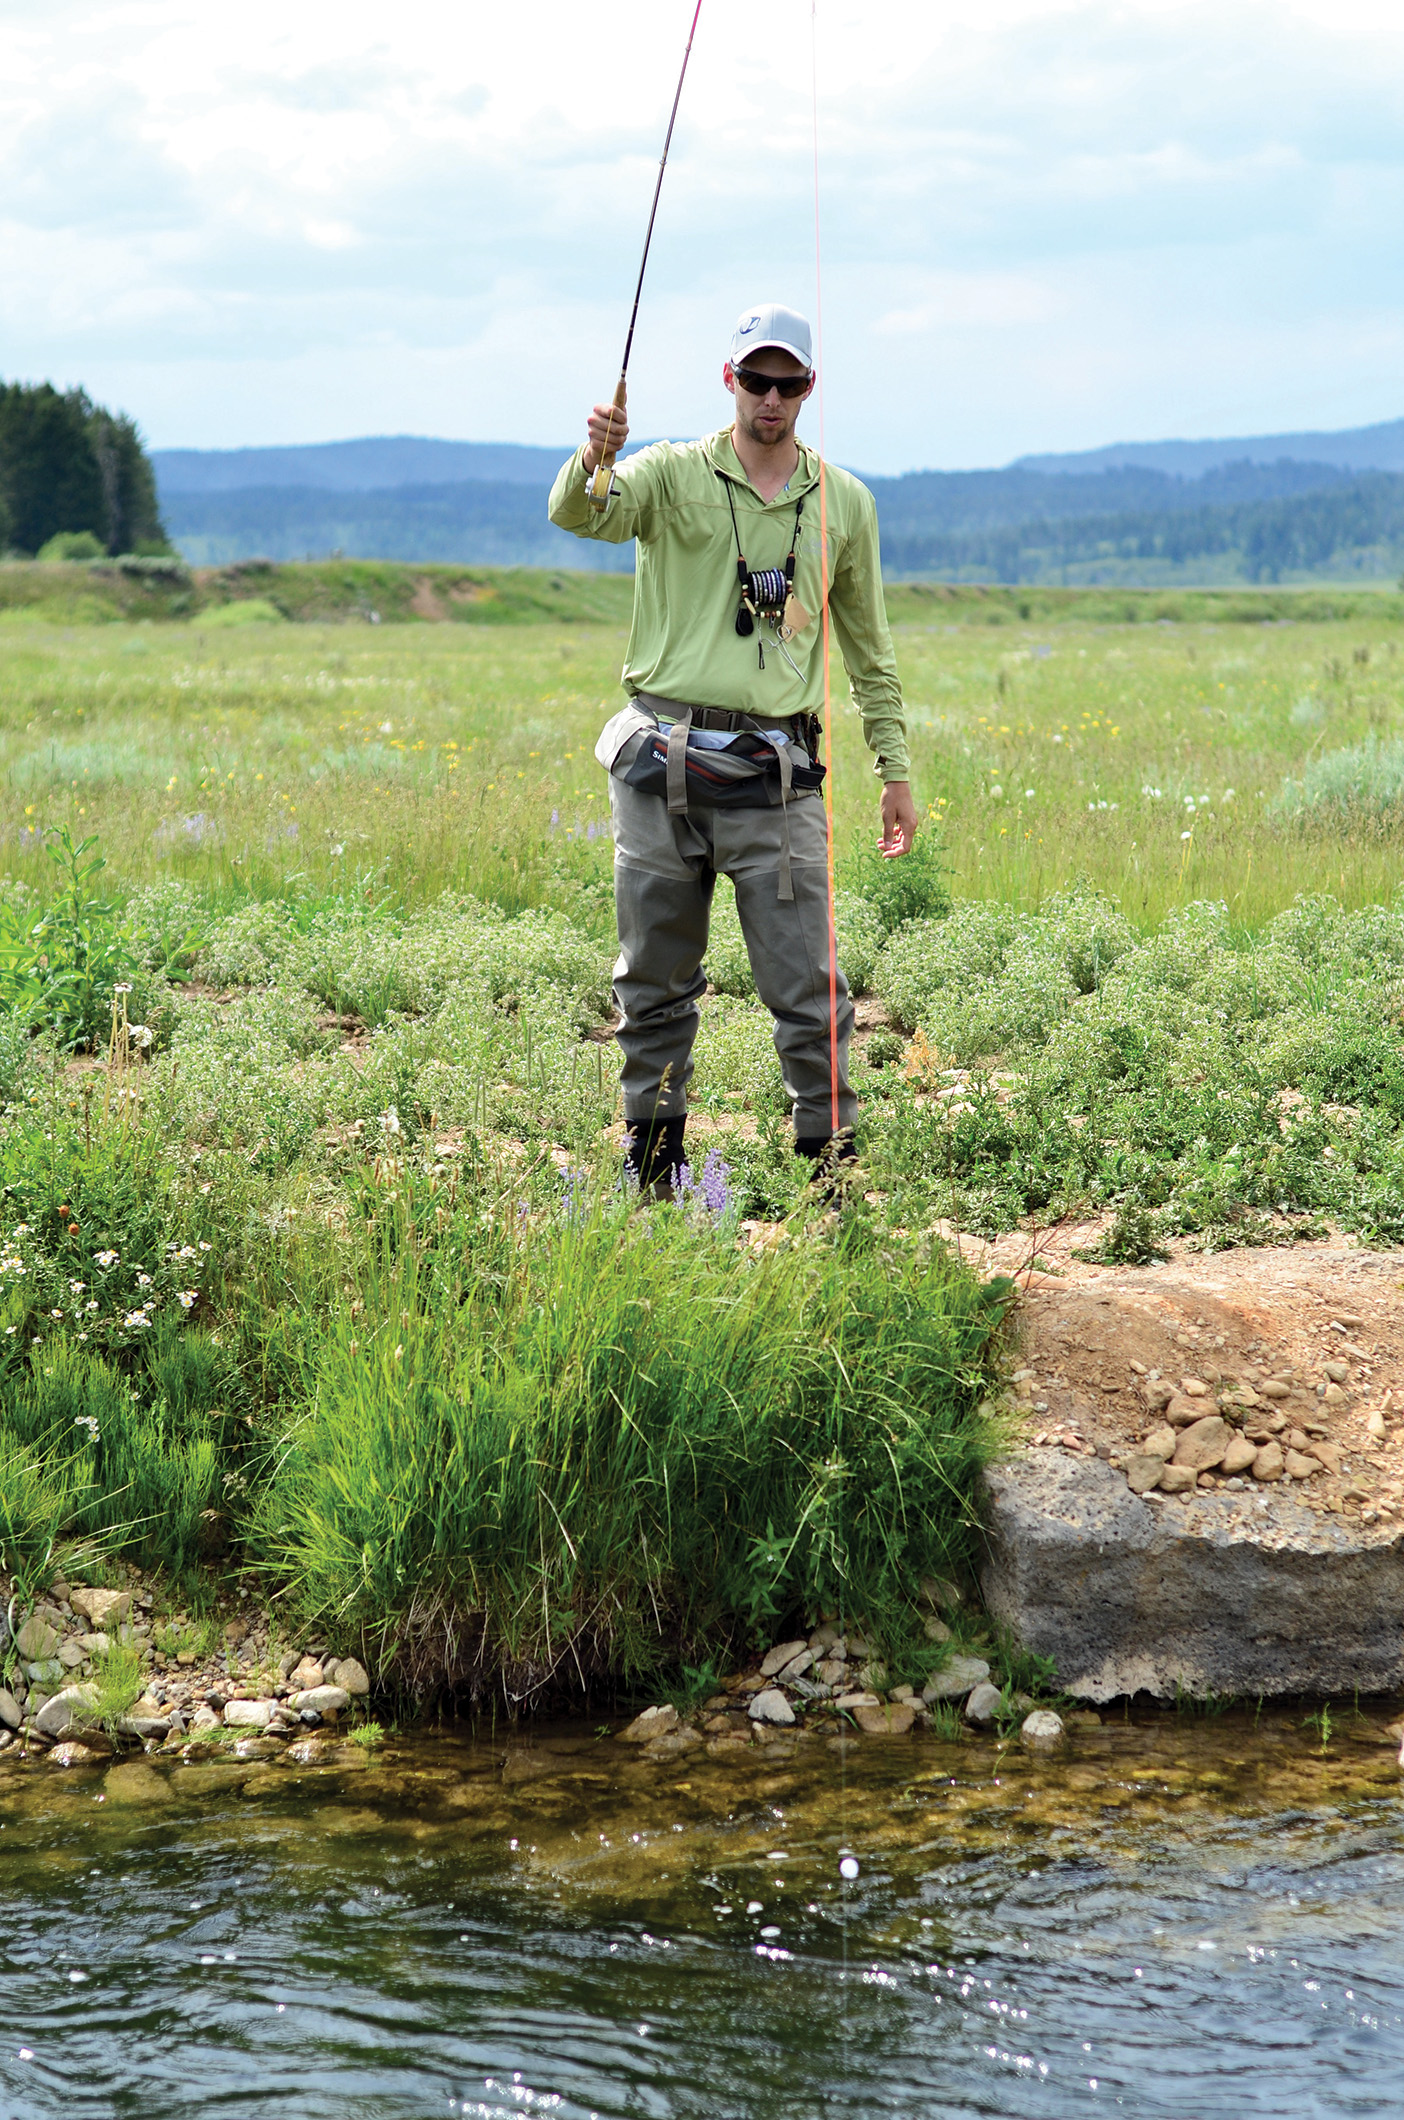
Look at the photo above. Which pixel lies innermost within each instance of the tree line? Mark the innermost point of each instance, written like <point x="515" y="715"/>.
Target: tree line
<point x="1358" y="524"/>
<point x="75" y="480"/>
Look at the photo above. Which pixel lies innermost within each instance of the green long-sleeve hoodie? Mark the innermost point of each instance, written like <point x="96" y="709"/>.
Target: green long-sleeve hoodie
<point x="683" y="644"/>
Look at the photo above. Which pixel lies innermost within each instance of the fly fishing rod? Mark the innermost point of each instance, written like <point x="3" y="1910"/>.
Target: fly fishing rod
<point x="600" y="483"/>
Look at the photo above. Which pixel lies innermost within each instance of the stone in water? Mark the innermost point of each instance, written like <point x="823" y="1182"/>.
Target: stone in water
<point x="984" y="1703"/>
<point x="654" y="1722"/>
<point x="1042" y="1731"/>
<point x="956" y="1678"/>
<point x="895" y="1720"/>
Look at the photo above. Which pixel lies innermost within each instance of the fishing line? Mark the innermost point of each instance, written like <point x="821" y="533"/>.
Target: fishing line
<point x="824" y="577"/>
<point x="849" y="1867"/>
<point x="598" y="488"/>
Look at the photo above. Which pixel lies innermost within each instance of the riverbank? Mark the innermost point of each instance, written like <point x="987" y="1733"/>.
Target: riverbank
<point x="319" y="1279"/>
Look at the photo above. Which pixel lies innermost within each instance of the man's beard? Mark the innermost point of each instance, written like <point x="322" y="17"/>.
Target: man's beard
<point x="767" y="441"/>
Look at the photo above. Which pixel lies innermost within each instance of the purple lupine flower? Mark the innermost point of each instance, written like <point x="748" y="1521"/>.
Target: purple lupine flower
<point x="576" y="1183"/>
<point x="711" y="1190"/>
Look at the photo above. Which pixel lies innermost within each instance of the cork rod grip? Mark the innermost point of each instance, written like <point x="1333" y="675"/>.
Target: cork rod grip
<point x="604" y="470"/>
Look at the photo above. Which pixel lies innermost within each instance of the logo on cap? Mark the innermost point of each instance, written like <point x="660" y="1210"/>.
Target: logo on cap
<point x="749" y="324"/>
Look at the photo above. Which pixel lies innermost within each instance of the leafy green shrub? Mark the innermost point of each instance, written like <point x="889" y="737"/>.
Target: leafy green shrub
<point x="1365" y="780"/>
<point x="1218" y="1082"/>
<point x="1018" y="1008"/>
<point x="928" y="956"/>
<point x="71" y="545"/>
<point x="914" y="886"/>
<point x="859" y="935"/>
<point x="247" y="946"/>
<point x="59" y="970"/>
<point x="1091" y="933"/>
<point x="1131" y="1239"/>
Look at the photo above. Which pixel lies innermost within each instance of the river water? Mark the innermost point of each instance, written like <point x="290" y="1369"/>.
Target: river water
<point x="1183" y="1916"/>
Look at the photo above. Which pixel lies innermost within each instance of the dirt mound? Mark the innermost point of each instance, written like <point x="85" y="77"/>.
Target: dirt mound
<point x="1303" y="1344"/>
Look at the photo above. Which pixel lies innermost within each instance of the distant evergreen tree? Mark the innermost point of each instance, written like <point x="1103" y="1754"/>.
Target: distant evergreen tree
<point x="67" y="464"/>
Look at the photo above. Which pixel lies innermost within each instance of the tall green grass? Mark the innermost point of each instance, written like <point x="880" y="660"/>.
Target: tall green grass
<point x="593" y="1441"/>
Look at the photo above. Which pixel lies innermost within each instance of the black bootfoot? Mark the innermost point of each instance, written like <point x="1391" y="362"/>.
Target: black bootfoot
<point x="829" y="1153"/>
<point x="653" y="1156"/>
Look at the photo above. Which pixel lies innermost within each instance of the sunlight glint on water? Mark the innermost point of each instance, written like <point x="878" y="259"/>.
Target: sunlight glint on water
<point x="1184" y="1918"/>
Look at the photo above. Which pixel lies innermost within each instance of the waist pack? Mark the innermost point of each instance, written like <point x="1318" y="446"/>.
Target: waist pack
<point x="750" y="769"/>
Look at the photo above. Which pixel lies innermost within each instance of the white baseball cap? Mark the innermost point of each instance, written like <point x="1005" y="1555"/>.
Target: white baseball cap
<point x="771" y="325"/>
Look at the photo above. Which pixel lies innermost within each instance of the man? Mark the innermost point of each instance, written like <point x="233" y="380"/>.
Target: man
<point x="712" y="764"/>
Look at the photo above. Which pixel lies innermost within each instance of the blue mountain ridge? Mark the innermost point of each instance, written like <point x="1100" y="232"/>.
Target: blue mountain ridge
<point x="1248" y="508"/>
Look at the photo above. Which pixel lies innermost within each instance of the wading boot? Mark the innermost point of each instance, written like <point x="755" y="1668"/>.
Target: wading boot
<point x="828" y="1153"/>
<point x="653" y="1156"/>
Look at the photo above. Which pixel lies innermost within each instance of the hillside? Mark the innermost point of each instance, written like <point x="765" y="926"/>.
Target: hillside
<point x="1377" y="448"/>
<point x="267" y="594"/>
<point x="1246" y="518"/>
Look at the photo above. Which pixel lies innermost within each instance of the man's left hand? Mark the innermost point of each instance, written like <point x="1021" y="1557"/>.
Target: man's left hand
<point x="899" y="819"/>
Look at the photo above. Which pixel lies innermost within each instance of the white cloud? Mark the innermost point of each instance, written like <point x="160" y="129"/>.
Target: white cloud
<point x="1065" y="219"/>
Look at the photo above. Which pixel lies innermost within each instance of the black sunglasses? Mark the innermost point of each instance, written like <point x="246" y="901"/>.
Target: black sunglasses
<point x="757" y="385"/>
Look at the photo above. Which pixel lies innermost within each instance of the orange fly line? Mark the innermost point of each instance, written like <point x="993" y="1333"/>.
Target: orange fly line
<point x="824" y="581"/>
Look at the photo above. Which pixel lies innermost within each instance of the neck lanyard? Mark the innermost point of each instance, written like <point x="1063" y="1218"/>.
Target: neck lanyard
<point x="766" y="592"/>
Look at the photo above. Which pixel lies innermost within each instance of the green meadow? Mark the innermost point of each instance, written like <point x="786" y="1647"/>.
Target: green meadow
<point x="316" y="1264"/>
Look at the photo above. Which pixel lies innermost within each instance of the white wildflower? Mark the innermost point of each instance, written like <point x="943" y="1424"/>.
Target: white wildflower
<point x="107" y="1258"/>
<point x="135" y="1319"/>
<point x="143" y="1280"/>
<point x="123" y="986"/>
<point x="75" y="1288"/>
<point x="187" y="1296"/>
<point x="141" y="1035"/>
<point x="390" y="1121"/>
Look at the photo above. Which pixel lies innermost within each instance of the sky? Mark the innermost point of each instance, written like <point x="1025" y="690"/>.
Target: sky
<point x="1046" y="224"/>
